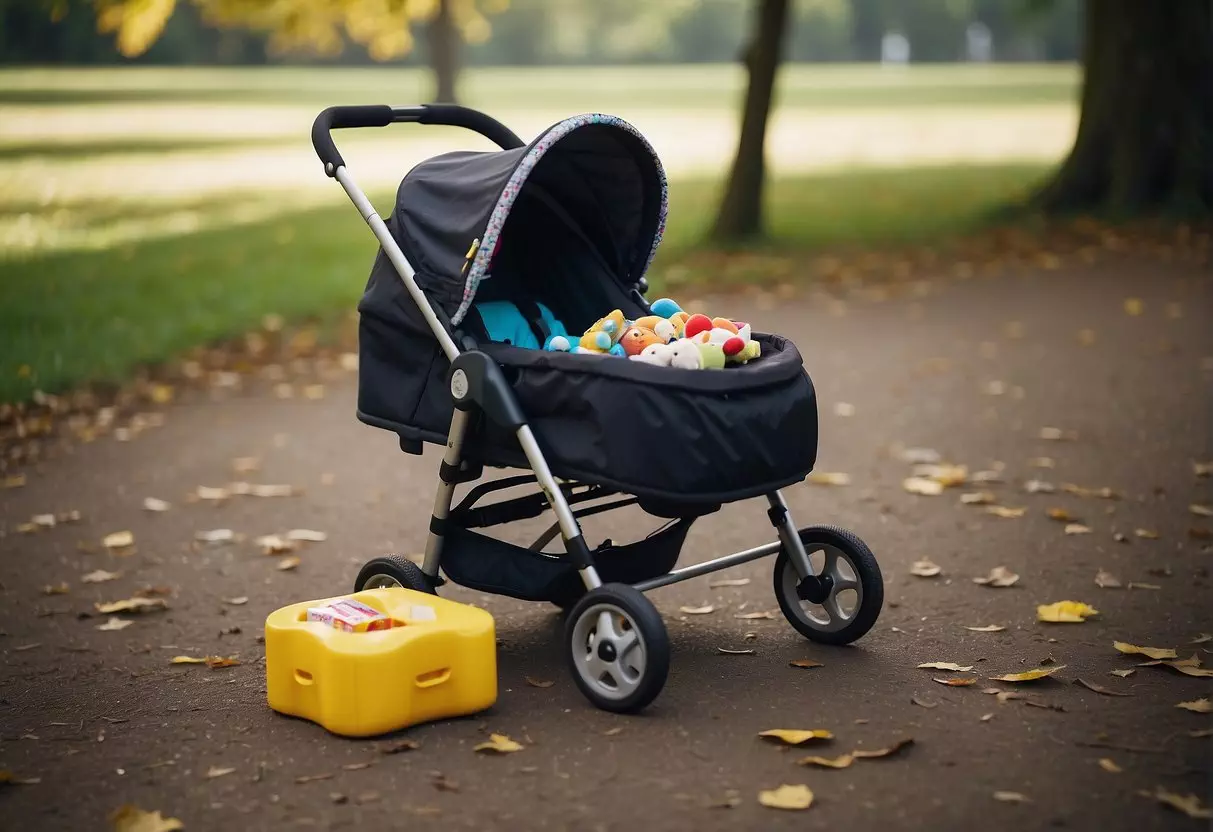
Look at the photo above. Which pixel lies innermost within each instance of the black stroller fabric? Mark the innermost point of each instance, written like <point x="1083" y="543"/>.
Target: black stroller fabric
<point x="578" y="233"/>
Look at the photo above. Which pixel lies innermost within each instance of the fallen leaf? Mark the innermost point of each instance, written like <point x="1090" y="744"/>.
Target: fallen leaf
<point x="216" y="771"/>
<point x="312" y="778"/>
<point x="1010" y="797"/>
<point x="217" y="662"/>
<point x="1146" y="534"/>
<point x="1201" y="639"/>
<point x="118" y="540"/>
<point x="288" y="563"/>
<point x="399" y="746"/>
<point x="152" y="504"/>
<point x="131" y="818"/>
<point x="100" y="576"/>
<point x="978" y="498"/>
<point x="272" y="544"/>
<point x="986" y="717"/>
<point x="154" y="592"/>
<point x="56" y="589"/>
<point x="1201" y="510"/>
<point x="920" y="456"/>
<point x="1201" y="733"/>
<point x="1077" y="528"/>
<point x="539" y="683"/>
<point x="827" y="762"/>
<point x="989" y="628"/>
<point x="925" y="568"/>
<point x="805" y="663"/>
<point x="955" y="683"/>
<point x="1056" y="434"/>
<point x="115" y="623"/>
<point x="1152" y="652"/>
<point x="728" y="582"/>
<point x="215" y="536"/>
<point x="18" y="480"/>
<point x="1028" y="675"/>
<point x="944" y="666"/>
<point x="999" y="576"/>
<point x="1005" y="512"/>
<point x="45" y="521"/>
<point x="613" y="732"/>
<point x="755" y="616"/>
<point x="7" y="778"/>
<point x="307" y="536"/>
<point x="1109" y="766"/>
<point x="914" y="700"/>
<point x="1200" y="706"/>
<point x="724" y="651"/>
<point x="204" y="492"/>
<point x="1124" y="674"/>
<point x="1042" y="462"/>
<point x="1060" y="515"/>
<point x="1105" y="493"/>
<point x="1065" y="612"/>
<point x="697" y="610"/>
<point x="443" y="783"/>
<point x="186" y="660"/>
<point x="1106" y="580"/>
<point x="949" y="476"/>
<point x="133" y="605"/>
<point x="498" y="743"/>
<point x="1188" y="669"/>
<point x="793" y="736"/>
<point x="895" y="748"/>
<point x="1140" y="585"/>
<point x="1190" y="804"/>
<point x="246" y="464"/>
<point x="1039" y="486"/>
<point x="1202" y="469"/>
<point x="829" y="478"/>
<point x="236" y="602"/>
<point x="923" y="486"/>
<point x="786" y="797"/>
<point x="1099" y="688"/>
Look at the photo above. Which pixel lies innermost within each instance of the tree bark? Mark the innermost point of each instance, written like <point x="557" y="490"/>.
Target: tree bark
<point x="443" y="38"/>
<point x="740" y="215"/>
<point x="1145" y="133"/>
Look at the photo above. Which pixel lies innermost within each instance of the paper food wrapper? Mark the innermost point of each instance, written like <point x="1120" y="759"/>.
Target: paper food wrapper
<point x="350" y="615"/>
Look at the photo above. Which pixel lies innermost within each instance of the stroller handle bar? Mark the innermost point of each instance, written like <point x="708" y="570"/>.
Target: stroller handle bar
<point x="381" y="115"/>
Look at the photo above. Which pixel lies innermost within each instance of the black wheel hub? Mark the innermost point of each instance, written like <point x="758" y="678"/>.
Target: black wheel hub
<point x="606" y="651"/>
<point x="814" y="589"/>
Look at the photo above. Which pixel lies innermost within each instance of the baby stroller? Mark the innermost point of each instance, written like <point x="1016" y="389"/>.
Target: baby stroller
<point x="570" y="222"/>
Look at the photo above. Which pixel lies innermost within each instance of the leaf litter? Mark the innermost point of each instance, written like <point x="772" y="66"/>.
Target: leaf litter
<point x="130" y="818"/>
<point x="499" y="744"/>
<point x="925" y="568"/>
<point x="137" y="604"/>
<point x="989" y="628"/>
<point x="792" y="797"/>
<point x="805" y="663"/>
<point x="1106" y="580"/>
<point x="1189" y="804"/>
<point x="1197" y="706"/>
<point x="999" y="577"/>
<point x="1152" y="652"/>
<point x="1065" y="612"/>
<point x="795" y="736"/>
<point x="1027" y="675"/>
<point x="945" y="666"/>
<point x="1099" y="688"/>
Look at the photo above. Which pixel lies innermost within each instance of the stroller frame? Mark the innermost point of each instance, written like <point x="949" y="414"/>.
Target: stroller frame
<point x="476" y="383"/>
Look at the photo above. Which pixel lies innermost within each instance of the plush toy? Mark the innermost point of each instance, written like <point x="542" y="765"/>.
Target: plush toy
<point x="683" y="354"/>
<point x="664" y="308"/>
<point x="637" y="337"/>
<point x="656" y="354"/>
<point x="558" y="343"/>
<point x="604" y="334"/>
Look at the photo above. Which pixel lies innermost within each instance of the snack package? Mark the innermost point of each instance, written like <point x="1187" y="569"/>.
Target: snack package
<point x="350" y="615"/>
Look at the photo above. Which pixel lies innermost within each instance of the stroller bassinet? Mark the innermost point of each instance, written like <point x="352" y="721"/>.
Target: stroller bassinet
<point x="571" y="221"/>
<point x="565" y="227"/>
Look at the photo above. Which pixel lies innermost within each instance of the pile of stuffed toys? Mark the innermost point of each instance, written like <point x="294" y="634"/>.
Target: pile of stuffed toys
<point x="669" y="337"/>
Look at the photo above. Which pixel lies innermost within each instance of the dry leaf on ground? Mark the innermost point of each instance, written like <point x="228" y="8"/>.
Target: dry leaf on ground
<point x="1201" y="639"/>
<point x="977" y="498"/>
<point x="923" y="486"/>
<point x="133" y="605"/>
<point x="217" y="662"/>
<point x="949" y="476"/>
<point x="1109" y="766"/>
<point x="288" y="563"/>
<point x="1124" y="674"/>
<point x="217" y="771"/>
<point x="786" y="797"/>
<point x="498" y="743"/>
<point x="1060" y="515"/>
<point x="756" y="616"/>
<point x="955" y="683"/>
<point x="795" y="736"/>
<point x="1146" y="534"/>
<point x="723" y="582"/>
<point x="878" y="753"/>
<point x="1199" y="706"/>
<point x="1106" y="580"/>
<point x="1187" y="668"/>
<point x="999" y="576"/>
<point x="118" y="540"/>
<point x="272" y="544"/>
<point x="1201" y="510"/>
<point x="307" y="535"/>
<point x="725" y="651"/>
<point x="1077" y="528"/>
<point x="1005" y="512"/>
<point x="204" y="492"/>
<point x="1134" y="306"/>
<point x="115" y="623"/>
<point x="186" y="660"/>
<point x="1201" y="733"/>
<point x="827" y="762"/>
<point x="100" y="576"/>
<point x="1190" y="804"/>
<point x="153" y="504"/>
<point x="829" y="478"/>
<point x="989" y="628"/>
<point x="1152" y="652"/>
<point x="539" y="683"/>
<point x="697" y="610"/>
<point x="215" y="536"/>
<point x="1010" y="797"/>
<point x="1140" y="585"/>
<point x="130" y="818"/>
<point x="1028" y="675"/>
<point x="805" y="663"/>
<point x="1104" y="493"/>
<point x="1099" y="688"/>
<point x="925" y="568"/>
<point x="944" y="666"/>
<point x="1065" y="612"/>
<point x="236" y="602"/>
<point x="56" y="589"/>
<point x="1042" y="462"/>
<point x="399" y="746"/>
<point x="1202" y="469"/>
<point x="1039" y="486"/>
<point x="1056" y="434"/>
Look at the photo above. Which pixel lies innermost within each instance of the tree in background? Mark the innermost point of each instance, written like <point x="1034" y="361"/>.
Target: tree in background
<point x="740" y="213"/>
<point x="320" y="27"/>
<point x="1145" y="134"/>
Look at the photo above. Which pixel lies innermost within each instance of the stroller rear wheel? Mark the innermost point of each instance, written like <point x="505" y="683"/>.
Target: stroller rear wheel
<point x="392" y="571"/>
<point x="841" y="600"/>
<point x="619" y="650"/>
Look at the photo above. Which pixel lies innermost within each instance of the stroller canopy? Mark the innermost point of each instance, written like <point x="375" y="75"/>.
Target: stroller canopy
<point x="591" y="186"/>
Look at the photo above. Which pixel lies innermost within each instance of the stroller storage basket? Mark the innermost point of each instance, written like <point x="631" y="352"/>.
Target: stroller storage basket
<point x="694" y="436"/>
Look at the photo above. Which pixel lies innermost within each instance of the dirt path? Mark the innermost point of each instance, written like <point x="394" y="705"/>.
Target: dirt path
<point x="974" y="369"/>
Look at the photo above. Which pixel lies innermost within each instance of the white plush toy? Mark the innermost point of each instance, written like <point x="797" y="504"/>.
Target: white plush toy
<point x="683" y="354"/>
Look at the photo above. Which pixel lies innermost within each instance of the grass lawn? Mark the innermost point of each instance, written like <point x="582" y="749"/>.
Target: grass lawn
<point x="147" y="211"/>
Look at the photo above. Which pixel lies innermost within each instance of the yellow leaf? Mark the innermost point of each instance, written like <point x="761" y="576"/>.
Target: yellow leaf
<point x="922" y="485"/>
<point x="1188" y="670"/>
<point x="1065" y="612"/>
<point x="829" y="478"/>
<point x="925" y="568"/>
<point x="1006" y="512"/>
<point x="999" y="576"/>
<point x="118" y="540"/>
<point x="133" y="605"/>
<point x="306" y="536"/>
<point x="1029" y="675"/>
<point x="948" y="476"/>
<point x="1152" y="652"/>
<point x="1199" y="706"/>
<point x="722" y="582"/>
<point x="216" y="662"/>
<point x="895" y="748"/>
<point x="56" y="589"/>
<point x="500" y="744"/>
<point x="186" y="660"/>
<point x="944" y="666"/>
<point x="1134" y="306"/>
<point x="130" y="818"/>
<point x="793" y="736"/>
<point x="137" y="24"/>
<point x="827" y="762"/>
<point x="205" y="492"/>
<point x="272" y="544"/>
<point x="1146" y="534"/>
<point x="1188" y="804"/>
<point x="697" y="610"/>
<point x="1109" y="766"/>
<point x="786" y="797"/>
<point x="1060" y="515"/>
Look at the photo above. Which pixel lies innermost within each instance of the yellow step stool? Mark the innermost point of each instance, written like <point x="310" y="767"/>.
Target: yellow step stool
<point x="437" y="660"/>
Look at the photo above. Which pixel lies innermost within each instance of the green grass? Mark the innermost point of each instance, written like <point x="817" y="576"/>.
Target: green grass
<point x="70" y="317"/>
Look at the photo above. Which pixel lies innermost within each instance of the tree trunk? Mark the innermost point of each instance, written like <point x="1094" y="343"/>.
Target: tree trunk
<point x="443" y="38"/>
<point x="1145" y="133"/>
<point x="741" y="209"/>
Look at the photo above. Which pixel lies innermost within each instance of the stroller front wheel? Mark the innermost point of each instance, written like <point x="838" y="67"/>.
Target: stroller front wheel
<point x="392" y="571"/>
<point x="841" y="600"/>
<point x="618" y="648"/>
